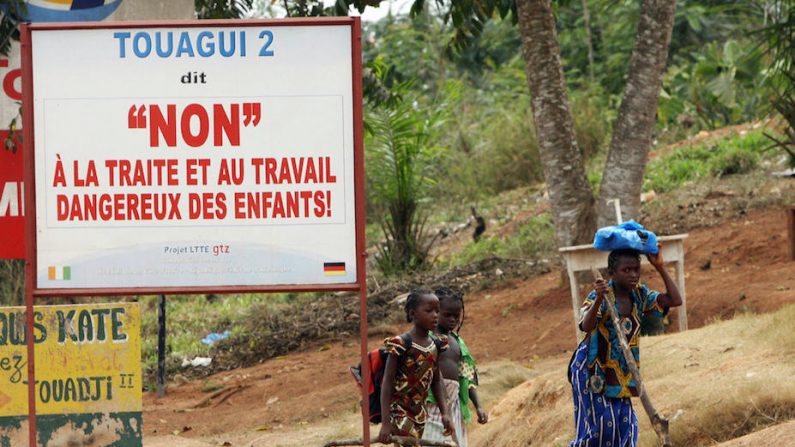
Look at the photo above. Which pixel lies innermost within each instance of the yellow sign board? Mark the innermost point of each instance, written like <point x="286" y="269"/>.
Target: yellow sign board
<point x="88" y="359"/>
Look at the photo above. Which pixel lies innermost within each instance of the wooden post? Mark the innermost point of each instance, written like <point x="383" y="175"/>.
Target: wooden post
<point x="680" y="283"/>
<point x="617" y="205"/>
<point x="30" y="339"/>
<point x="365" y="367"/>
<point x="30" y="233"/>
<point x="161" y="346"/>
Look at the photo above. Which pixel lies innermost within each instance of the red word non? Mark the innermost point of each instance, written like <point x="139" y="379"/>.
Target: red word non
<point x="194" y="123"/>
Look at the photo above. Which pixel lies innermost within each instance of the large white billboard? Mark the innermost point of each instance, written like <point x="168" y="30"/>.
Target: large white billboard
<point x="192" y="156"/>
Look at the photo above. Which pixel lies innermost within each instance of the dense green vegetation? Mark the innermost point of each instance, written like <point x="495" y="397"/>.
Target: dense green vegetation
<point x="736" y="155"/>
<point x="534" y="238"/>
<point x="191" y="318"/>
<point x="718" y="75"/>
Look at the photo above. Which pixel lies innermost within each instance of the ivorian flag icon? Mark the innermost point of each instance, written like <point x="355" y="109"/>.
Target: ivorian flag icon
<point x="59" y="273"/>
<point x="333" y="268"/>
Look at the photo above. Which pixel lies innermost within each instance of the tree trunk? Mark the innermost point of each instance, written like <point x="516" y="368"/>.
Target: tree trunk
<point x="569" y="191"/>
<point x="632" y="132"/>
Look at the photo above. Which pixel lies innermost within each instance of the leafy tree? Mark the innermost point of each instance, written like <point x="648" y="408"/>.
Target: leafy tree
<point x="611" y="28"/>
<point x="722" y="85"/>
<point x="779" y="33"/>
<point x="222" y="9"/>
<point x="718" y="72"/>
<point x="10" y="11"/>
<point x="402" y="155"/>
<point x="573" y="204"/>
<point x="780" y="39"/>
<point x="413" y="48"/>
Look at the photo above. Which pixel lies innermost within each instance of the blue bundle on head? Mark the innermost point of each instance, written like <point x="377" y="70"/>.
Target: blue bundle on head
<point x="629" y="234"/>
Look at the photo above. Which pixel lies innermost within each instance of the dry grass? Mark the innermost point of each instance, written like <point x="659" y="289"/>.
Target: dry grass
<point x="497" y="378"/>
<point x="728" y="379"/>
<point x="722" y="381"/>
<point x="781" y="434"/>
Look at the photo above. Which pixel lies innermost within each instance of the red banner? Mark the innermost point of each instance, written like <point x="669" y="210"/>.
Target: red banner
<point x="12" y="204"/>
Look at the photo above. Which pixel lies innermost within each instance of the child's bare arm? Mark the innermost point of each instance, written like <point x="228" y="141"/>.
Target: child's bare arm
<point x="588" y="321"/>
<point x="671" y="297"/>
<point x="483" y="417"/>
<point x="387" y="388"/>
<point x="441" y="400"/>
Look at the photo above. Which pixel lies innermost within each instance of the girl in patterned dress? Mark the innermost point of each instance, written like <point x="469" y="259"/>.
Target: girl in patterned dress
<point x="601" y="381"/>
<point x="411" y="371"/>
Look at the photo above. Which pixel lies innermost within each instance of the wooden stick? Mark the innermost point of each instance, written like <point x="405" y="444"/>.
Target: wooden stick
<point x="399" y="440"/>
<point x="224" y="392"/>
<point x="658" y="422"/>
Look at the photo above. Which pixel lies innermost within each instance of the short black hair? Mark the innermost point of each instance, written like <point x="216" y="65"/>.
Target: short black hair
<point x="413" y="300"/>
<point x="446" y="293"/>
<point x="615" y="255"/>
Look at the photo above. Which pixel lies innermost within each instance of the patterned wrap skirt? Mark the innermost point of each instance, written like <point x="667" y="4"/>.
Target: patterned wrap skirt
<point x="434" y="430"/>
<point x="599" y="421"/>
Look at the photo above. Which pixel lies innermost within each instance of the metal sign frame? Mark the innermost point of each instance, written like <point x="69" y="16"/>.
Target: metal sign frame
<point x="31" y="289"/>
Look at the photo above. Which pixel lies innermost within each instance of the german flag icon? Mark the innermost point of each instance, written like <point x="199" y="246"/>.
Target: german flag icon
<point x="333" y="268"/>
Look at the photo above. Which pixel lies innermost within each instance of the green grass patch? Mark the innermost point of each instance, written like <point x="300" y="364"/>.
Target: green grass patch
<point x="734" y="161"/>
<point x="493" y="206"/>
<point x="209" y="387"/>
<point x="737" y="154"/>
<point x="190" y="318"/>
<point x="535" y="238"/>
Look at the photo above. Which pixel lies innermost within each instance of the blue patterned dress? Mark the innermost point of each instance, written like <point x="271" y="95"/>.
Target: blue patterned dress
<point x="601" y="381"/>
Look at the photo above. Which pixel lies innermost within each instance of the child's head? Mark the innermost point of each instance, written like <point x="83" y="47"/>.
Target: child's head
<point x="451" y="309"/>
<point x="422" y="309"/>
<point x="624" y="267"/>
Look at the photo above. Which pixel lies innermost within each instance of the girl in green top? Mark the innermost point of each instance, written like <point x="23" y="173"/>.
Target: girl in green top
<point x="458" y="370"/>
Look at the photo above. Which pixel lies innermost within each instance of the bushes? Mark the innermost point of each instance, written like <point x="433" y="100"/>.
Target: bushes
<point x="716" y="85"/>
<point x="402" y="154"/>
<point x="12" y="282"/>
<point x="189" y="319"/>
<point x="737" y="155"/>
<point x="734" y="161"/>
<point x="493" y="140"/>
<point x="592" y="120"/>
<point x="669" y="172"/>
<point x="535" y="238"/>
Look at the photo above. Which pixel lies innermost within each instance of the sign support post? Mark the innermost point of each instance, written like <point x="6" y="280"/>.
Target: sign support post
<point x="361" y="247"/>
<point x="161" y="346"/>
<point x="31" y="345"/>
<point x="365" y="367"/>
<point x="30" y="237"/>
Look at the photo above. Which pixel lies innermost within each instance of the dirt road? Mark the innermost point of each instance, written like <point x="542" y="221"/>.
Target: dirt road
<point x="739" y="266"/>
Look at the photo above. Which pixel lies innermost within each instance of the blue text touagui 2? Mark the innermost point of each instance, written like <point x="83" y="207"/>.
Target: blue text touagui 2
<point x="185" y="44"/>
